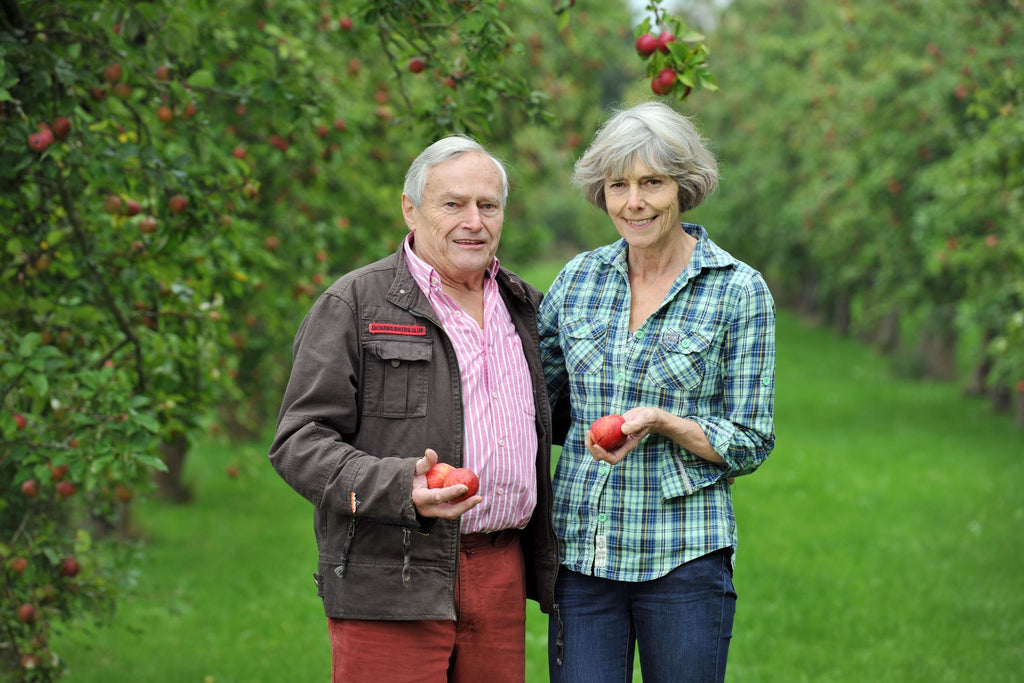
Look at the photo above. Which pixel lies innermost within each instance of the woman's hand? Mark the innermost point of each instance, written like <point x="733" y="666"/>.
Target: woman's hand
<point x="639" y="423"/>
<point x="642" y="421"/>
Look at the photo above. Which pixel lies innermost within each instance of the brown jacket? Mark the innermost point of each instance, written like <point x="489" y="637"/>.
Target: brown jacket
<point x="359" y="410"/>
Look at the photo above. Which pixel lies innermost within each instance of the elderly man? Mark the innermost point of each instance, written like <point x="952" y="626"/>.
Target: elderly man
<point x="428" y="355"/>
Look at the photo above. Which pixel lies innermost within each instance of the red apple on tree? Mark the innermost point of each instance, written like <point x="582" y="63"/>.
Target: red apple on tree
<point x="664" y="38"/>
<point x="607" y="432"/>
<point x="112" y="73"/>
<point x="437" y="474"/>
<point x="463" y="475"/>
<point x="113" y="204"/>
<point x="178" y="203"/>
<point x="40" y="141"/>
<point x="57" y="473"/>
<point x="646" y="44"/>
<point x="19" y="565"/>
<point x="69" y="567"/>
<point x="345" y="23"/>
<point x="61" y="127"/>
<point x="20" y="420"/>
<point x="66" y="489"/>
<point x="27" y="613"/>
<point x="416" y="65"/>
<point x="30" y="488"/>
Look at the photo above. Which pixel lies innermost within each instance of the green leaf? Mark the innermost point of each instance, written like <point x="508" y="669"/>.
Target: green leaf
<point x="29" y="343"/>
<point x="202" y="79"/>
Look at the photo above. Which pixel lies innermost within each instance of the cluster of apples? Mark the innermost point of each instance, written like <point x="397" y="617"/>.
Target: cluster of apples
<point x="48" y="132"/>
<point x="646" y="45"/>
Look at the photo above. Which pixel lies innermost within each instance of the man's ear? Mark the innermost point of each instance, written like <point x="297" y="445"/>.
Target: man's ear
<point x="407" y="212"/>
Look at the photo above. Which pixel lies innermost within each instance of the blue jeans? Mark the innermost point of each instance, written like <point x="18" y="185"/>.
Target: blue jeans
<point x="682" y="623"/>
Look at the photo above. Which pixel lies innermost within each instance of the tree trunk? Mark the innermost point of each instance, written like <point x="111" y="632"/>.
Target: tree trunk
<point x="169" y="484"/>
<point x="937" y="344"/>
<point x="978" y="381"/>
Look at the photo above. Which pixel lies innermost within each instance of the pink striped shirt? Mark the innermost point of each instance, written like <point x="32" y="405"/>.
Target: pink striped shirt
<point x="497" y="402"/>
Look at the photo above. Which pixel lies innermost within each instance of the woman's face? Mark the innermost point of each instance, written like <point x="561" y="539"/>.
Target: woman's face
<point x="644" y="206"/>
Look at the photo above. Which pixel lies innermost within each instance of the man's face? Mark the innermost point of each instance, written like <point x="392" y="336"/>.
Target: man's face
<point x="458" y="224"/>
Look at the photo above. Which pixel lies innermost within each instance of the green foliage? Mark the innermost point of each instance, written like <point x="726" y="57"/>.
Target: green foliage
<point x="871" y="166"/>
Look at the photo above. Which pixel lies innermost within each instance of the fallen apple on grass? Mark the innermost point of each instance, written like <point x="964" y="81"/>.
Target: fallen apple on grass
<point x="607" y="432"/>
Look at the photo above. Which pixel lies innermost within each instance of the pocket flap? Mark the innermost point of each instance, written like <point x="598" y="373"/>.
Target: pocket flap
<point x="401" y="350"/>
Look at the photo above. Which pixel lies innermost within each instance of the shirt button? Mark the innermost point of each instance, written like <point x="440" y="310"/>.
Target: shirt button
<point x="501" y="442"/>
<point x="639" y="335"/>
<point x="395" y="363"/>
<point x="602" y="518"/>
<point x="500" y="491"/>
<point x="686" y="343"/>
<point x="620" y="376"/>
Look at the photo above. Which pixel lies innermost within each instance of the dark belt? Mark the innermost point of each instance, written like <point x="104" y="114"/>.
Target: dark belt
<point x="498" y="539"/>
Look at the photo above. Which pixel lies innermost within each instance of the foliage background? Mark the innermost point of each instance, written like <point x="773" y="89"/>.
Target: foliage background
<point x="225" y="162"/>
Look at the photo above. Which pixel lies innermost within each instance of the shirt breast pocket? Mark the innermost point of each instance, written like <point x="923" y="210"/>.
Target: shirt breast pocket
<point x="583" y="342"/>
<point x="395" y="379"/>
<point x="681" y="361"/>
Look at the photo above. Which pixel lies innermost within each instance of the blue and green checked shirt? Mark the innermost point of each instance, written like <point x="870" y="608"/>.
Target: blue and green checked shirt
<point x="707" y="354"/>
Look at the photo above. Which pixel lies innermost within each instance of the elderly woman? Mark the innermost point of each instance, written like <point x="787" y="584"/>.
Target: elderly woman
<point x="669" y="330"/>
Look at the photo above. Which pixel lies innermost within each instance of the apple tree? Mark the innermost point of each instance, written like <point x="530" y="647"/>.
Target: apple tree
<point x="870" y="158"/>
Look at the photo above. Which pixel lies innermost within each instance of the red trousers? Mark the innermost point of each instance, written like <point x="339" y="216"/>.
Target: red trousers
<point x="486" y="643"/>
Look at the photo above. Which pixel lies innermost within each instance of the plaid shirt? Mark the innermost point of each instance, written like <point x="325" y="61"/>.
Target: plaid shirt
<point x="707" y="354"/>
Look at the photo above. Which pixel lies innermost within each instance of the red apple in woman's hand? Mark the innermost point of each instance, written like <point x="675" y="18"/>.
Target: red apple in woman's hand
<point x="607" y="432"/>
<point x="463" y="475"/>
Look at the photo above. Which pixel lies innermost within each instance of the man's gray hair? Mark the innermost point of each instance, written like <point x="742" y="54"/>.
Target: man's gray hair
<point x="446" y="149"/>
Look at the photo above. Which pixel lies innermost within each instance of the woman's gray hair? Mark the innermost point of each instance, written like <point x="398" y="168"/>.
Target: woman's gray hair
<point x="446" y="149"/>
<point x="656" y="135"/>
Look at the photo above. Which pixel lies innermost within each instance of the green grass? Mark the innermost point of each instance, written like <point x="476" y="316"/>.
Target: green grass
<point x="879" y="542"/>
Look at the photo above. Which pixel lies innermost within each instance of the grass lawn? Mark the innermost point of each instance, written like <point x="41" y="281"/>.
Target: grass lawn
<point x="879" y="542"/>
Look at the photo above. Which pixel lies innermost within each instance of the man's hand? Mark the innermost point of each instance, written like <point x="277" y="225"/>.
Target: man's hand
<point x="436" y="502"/>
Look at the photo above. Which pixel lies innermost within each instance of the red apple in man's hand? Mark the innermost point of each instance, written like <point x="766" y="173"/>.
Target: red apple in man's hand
<point x="463" y="475"/>
<point x="437" y="473"/>
<point x="607" y="432"/>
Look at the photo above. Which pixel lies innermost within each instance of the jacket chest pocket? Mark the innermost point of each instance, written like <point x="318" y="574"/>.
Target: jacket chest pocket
<point x="395" y="378"/>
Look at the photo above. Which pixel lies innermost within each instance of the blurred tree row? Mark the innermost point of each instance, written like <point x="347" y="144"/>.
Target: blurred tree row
<point x="179" y="180"/>
<point x="873" y="166"/>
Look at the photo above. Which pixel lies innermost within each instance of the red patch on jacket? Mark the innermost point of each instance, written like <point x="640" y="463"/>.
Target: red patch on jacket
<point x="391" y="328"/>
